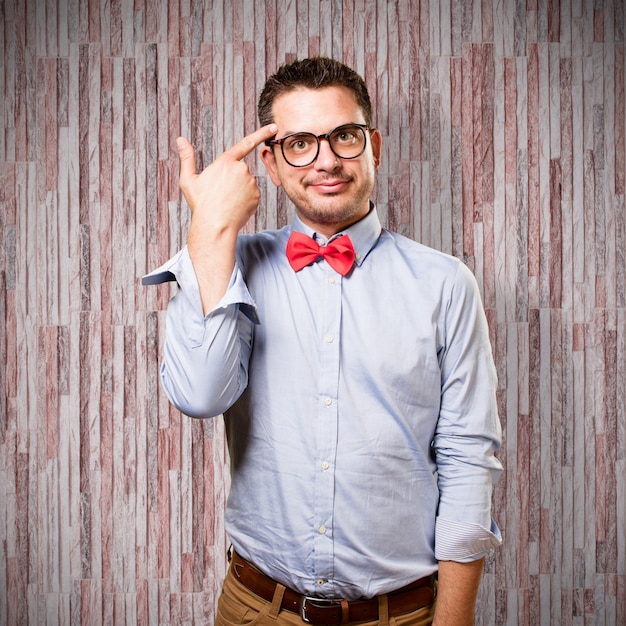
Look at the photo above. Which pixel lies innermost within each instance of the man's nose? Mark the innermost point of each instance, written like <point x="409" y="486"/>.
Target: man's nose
<point x="326" y="158"/>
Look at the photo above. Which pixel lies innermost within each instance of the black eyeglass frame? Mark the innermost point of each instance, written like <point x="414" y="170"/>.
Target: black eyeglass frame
<point x="280" y="142"/>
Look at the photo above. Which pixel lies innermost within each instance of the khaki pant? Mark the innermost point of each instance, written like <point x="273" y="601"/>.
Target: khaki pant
<point x="238" y="605"/>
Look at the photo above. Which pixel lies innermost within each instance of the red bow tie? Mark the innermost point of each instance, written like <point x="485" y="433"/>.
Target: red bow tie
<point x="302" y="250"/>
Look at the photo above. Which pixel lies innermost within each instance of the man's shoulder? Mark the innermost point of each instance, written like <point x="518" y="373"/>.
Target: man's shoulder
<point x="263" y="243"/>
<point x="415" y="250"/>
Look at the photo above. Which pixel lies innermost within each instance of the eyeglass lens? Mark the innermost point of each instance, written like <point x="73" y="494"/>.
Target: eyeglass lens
<point x="300" y="149"/>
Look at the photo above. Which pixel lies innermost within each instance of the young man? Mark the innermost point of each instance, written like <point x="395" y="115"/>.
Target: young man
<point x="352" y="366"/>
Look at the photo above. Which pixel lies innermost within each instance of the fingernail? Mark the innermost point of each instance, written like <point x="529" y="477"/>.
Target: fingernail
<point x="180" y="143"/>
<point x="273" y="128"/>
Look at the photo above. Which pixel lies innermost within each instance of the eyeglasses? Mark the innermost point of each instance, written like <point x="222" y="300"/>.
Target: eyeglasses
<point x="301" y="149"/>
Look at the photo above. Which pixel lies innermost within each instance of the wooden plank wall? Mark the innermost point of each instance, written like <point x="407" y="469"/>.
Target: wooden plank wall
<point x="504" y="128"/>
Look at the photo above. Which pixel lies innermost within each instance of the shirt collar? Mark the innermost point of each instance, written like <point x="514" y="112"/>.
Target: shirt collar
<point x="364" y="234"/>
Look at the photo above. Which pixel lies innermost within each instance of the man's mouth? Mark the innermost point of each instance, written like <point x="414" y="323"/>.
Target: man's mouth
<point x="333" y="185"/>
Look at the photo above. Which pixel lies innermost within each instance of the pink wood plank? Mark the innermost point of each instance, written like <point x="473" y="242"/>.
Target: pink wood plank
<point x="106" y="462"/>
<point x="554" y="20"/>
<point x="83" y="131"/>
<point x="487" y="126"/>
<point x="51" y="142"/>
<point x="478" y="65"/>
<point x="173" y="29"/>
<point x="50" y="360"/>
<point x="534" y="399"/>
<point x="91" y="12"/>
<point x="174" y="123"/>
<point x="467" y="150"/>
<point x="487" y="21"/>
<point x="523" y="445"/>
<point x="620" y="120"/>
<point x="22" y="69"/>
<point x="534" y="141"/>
<point x="598" y="26"/>
<point x="555" y="234"/>
<point x="163" y="504"/>
<point x="7" y="192"/>
<point x="566" y="193"/>
<point x="12" y="359"/>
<point x="510" y="116"/>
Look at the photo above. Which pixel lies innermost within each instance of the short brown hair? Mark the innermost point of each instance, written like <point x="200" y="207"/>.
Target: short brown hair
<point x="313" y="73"/>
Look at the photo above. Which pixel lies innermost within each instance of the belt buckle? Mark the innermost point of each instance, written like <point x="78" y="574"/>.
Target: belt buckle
<point x="318" y="601"/>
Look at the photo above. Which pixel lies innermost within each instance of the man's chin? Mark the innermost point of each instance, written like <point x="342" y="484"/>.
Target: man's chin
<point x="330" y="215"/>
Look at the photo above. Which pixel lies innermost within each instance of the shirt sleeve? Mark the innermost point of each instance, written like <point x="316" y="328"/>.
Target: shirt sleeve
<point x="205" y="364"/>
<point x="468" y="430"/>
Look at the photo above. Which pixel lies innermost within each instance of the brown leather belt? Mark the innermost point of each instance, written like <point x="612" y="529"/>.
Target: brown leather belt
<point x="323" y="612"/>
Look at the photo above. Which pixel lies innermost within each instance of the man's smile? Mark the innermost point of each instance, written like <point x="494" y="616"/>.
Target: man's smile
<point x="329" y="186"/>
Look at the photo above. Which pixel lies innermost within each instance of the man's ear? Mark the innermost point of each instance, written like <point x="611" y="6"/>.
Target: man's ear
<point x="269" y="160"/>
<point x="377" y="142"/>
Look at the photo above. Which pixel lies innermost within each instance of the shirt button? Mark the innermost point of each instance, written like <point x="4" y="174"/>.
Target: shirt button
<point x="319" y="582"/>
<point x="331" y="280"/>
<point x="325" y="465"/>
<point x="328" y="401"/>
<point x="329" y="339"/>
<point x="322" y="530"/>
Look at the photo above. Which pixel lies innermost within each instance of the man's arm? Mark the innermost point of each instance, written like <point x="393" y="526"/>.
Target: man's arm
<point x="456" y="592"/>
<point x="222" y="198"/>
<point x="206" y="351"/>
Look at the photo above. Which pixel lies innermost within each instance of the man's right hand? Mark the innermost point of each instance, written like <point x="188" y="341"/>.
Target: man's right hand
<point x="222" y="198"/>
<point x="225" y="195"/>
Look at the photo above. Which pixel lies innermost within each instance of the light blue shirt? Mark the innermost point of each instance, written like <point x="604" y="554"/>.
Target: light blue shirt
<point x="360" y="410"/>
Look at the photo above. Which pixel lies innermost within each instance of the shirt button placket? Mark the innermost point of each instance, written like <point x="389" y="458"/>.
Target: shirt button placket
<point x="327" y="423"/>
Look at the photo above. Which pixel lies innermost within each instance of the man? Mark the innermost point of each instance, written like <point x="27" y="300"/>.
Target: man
<point x="353" y="368"/>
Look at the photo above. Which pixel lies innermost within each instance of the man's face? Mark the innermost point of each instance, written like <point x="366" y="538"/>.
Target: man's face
<point x="331" y="193"/>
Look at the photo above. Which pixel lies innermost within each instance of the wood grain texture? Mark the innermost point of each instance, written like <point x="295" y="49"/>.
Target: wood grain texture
<point x="504" y="131"/>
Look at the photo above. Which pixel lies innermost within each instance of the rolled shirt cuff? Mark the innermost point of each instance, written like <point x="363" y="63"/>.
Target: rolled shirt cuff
<point x="180" y="269"/>
<point x="464" y="541"/>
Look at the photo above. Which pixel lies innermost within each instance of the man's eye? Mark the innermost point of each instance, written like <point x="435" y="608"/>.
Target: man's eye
<point x="346" y="136"/>
<point x="299" y="144"/>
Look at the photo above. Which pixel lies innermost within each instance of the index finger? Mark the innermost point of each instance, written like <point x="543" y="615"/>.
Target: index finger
<point x="246" y="145"/>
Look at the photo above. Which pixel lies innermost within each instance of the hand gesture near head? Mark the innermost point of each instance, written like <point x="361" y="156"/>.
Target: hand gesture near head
<point x="222" y="198"/>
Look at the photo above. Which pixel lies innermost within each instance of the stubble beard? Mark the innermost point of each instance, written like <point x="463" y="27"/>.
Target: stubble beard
<point x="332" y="209"/>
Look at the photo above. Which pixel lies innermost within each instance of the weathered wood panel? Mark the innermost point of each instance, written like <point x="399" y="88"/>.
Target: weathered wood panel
<point x="505" y="145"/>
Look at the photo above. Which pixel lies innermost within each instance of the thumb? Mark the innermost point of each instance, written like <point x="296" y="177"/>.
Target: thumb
<point x="187" y="158"/>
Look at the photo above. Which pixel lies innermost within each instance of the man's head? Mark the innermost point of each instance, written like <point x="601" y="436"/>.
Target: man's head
<point x="325" y="153"/>
<point x="313" y="73"/>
